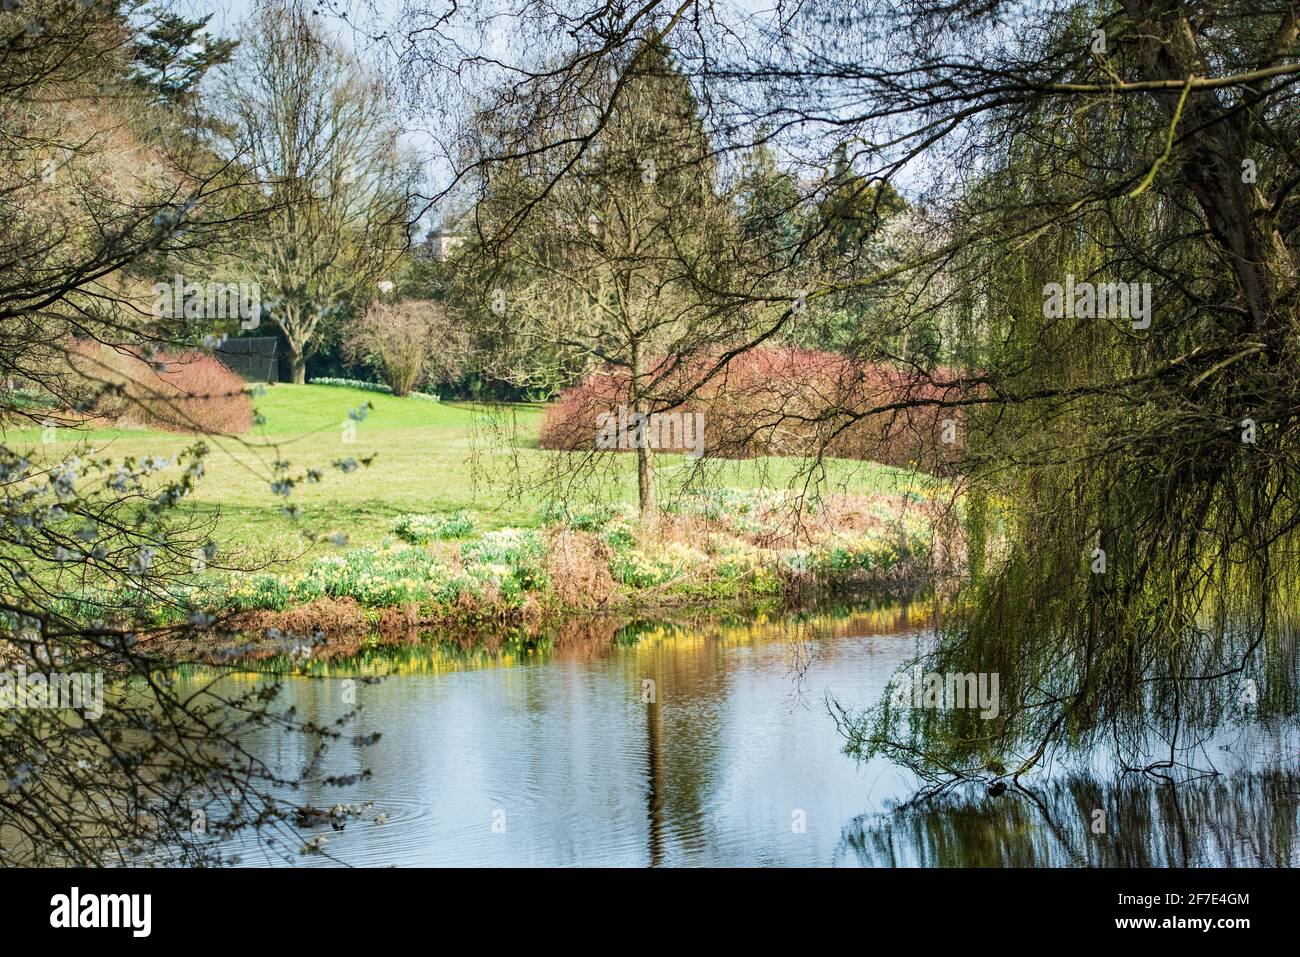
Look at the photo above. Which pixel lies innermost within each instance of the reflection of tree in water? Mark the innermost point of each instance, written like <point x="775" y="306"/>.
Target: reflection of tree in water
<point x="803" y="649"/>
<point x="687" y="660"/>
<point x="1247" y="820"/>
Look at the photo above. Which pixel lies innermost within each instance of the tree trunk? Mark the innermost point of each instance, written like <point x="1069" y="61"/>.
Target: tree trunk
<point x="297" y="331"/>
<point x="645" y="476"/>
<point x="1238" y="217"/>
<point x="645" y="479"/>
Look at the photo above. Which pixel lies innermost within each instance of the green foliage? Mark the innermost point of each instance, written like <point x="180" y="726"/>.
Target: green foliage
<point x="173" y="54"/>
<point x="1134" y="559"/>
<point x="373" y="577"/>
<point x="655" y="567"/>
<point x="769" y="206"/>
<point x="515" y="556"/>
<point x="23" y="399"/>
<point x="854" y="209"/>
<point x="581" y="519"/>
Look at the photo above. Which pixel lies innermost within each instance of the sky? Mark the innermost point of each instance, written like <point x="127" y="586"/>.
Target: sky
<point x="419" y="125"/>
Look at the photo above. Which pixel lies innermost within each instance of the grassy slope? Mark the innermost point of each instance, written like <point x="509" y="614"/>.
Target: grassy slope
<point x="429" y="457"/>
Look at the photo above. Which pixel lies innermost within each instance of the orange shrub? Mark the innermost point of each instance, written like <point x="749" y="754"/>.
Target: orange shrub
<point x="782" y="401"/>
<point x="177" y="391"/>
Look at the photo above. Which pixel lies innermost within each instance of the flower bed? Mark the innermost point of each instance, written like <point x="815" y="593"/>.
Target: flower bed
<point x="421" y="529"/>
<point x="719" y="547"/>
<point x="371" y="387"/>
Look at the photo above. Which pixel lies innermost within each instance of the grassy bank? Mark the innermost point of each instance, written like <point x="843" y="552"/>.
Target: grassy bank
<point x="452" y="521"/>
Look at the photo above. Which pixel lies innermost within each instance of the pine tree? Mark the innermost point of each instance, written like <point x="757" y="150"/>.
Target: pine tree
<point x="173" y="55"/>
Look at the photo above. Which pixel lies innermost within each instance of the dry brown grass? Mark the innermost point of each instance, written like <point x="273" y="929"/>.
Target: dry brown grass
<point x="578" y="566"/>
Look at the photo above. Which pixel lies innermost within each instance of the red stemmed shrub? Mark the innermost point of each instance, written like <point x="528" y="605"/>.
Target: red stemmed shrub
<point x="181" y="391"/>
<point x="780" y="401"/>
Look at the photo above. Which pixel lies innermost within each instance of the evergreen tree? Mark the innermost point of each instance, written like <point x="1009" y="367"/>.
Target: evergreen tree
<point x="173" y="54"/>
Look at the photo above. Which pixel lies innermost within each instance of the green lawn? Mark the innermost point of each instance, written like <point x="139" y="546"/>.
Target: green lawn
<point x="429" y="457"/>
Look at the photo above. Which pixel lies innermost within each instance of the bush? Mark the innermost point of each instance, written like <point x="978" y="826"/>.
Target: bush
<point x="403" y="340"/>
<point x="642" y="568"/>
<point x="513" y="556"/>
<point x="175" y="391"/>
<point x="771" y="402"/>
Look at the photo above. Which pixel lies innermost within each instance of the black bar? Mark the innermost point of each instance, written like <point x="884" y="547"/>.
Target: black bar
<point x="976" y="909"/>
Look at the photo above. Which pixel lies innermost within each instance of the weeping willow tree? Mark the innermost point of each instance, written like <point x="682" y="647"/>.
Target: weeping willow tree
<point x="1129" y="426"/>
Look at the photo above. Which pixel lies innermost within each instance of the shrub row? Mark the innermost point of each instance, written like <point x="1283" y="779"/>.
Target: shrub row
<point x="772" y="402"/>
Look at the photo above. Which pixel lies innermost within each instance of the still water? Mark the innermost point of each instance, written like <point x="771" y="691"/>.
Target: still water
<point x="710" y="742"/>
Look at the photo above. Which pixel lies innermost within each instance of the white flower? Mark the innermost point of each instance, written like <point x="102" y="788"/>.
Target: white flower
<point x="142" y="561"/>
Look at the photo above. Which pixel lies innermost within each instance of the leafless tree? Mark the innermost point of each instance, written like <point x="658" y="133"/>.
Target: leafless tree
<point x="315" y="132"/>
<point x="406" y="341"/>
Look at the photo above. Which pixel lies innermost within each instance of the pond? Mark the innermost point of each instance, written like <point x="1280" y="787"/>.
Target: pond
<point x="709" y="742"/>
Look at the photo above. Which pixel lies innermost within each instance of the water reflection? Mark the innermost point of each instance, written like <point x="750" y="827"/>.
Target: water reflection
<point x="699" y="741"/>
<point x="1245" y="820"/>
